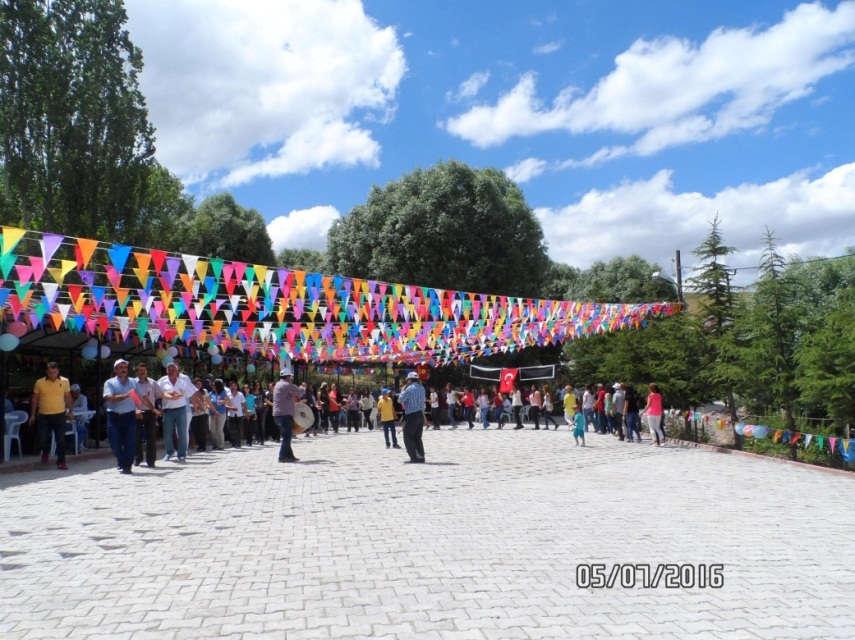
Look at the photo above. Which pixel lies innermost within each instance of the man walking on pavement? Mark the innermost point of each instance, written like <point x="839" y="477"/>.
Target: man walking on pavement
<point x="412" y="399"/>
<point x="285" y="393"/>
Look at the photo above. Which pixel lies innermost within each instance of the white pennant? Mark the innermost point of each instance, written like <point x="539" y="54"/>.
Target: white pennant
<point x="63" y="310"/>
<point x="190" y="262"/>
<point x="808" y="438"/>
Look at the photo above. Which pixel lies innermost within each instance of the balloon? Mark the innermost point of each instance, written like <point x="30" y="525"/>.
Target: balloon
<point x="213" y="350"/>
<point x="89" y="352"/>
<point x="748" y="430"/>
<point x="217" y="359"/>
<point x="167" y="360"/>
<point x="739" y="428"/>
<point x="105" y="352"/>
<point x="8" y="342"/>
<point x="173" y="351"/>
<point x="250" y="368"/>
<point x="759" y="431"/>
<point x="17" y="329"/>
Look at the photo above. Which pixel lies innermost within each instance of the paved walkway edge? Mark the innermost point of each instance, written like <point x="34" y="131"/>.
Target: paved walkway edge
<point x="688" y="444"/>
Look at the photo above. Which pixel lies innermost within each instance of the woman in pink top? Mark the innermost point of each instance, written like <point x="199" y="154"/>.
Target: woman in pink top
<point x="653" y="413"/>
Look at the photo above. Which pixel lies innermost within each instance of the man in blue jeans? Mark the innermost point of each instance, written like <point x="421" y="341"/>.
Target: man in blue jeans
<point x="119" y="392"/>
<point x="285" y="394"/>
<point x="177" y="389"/>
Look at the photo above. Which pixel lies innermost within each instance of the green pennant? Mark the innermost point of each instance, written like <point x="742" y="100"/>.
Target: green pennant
<point x="6" y="264"/>
<point x="217" y="267"/>
<point x="22" y="289"/>
<point x="249" y="274"/>
<point x="142" y="326"/>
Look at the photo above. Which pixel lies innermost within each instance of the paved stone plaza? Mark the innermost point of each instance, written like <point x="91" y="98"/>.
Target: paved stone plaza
<point x="482" y="542"/>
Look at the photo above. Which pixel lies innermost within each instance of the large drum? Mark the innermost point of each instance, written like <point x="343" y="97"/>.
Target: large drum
<point x="303" y="417"/>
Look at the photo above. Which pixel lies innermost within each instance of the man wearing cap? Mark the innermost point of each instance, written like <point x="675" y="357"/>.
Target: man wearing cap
<point x="285" y="393"/>
<point x="121" y="418"/>
<point x="412" y="399"/>
<point x="51" y="406"/>
<point x="176" y="389"/>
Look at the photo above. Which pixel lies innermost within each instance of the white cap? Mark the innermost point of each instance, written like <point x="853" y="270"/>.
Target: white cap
<point x="412" y="375"/>
<point x="119" y="361"/>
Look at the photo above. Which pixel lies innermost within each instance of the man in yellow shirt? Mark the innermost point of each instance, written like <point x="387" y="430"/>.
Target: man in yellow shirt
<point x="386" y="410"/>
<point x="51" y="406"/>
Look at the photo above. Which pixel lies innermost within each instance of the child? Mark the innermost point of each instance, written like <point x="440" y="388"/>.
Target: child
<point x="579" y="428"/>
<point x="386" y="410"/>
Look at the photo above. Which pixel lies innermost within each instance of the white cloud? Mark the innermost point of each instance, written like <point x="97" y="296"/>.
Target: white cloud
<point x="525" y="170"/>
<point x="670" y="91"/>
<point x="264" y="88"/>
<point x="648" y="217"/>
<point x="302" y="228"/>
<point x="548" y="47"/>
<point x="470" y="87"/>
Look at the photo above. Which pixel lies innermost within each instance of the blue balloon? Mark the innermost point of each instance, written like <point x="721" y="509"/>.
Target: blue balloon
<point x="217" y="359"/>
<point x="760" y="431"/>
<point x="89" y="352"/>
<point x="250" y="368"/>
<point x="8" y="342"/>
<point x="739" y="428"/>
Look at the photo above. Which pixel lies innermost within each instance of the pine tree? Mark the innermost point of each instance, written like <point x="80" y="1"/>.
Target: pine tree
<point x="718" y="310"/>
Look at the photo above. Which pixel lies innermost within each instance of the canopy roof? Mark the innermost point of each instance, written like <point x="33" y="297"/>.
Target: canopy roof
<point x="147" y="298"/>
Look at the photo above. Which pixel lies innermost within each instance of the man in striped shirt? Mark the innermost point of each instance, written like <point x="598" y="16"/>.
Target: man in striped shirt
<point x="412" y="399"/>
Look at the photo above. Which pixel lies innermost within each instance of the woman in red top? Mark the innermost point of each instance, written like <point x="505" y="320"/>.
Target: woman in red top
<point x="653" y="413"/>
<point x="468" y="402"/>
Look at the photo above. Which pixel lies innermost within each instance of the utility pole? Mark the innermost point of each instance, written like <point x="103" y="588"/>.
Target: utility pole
<point x="679" y="267"/>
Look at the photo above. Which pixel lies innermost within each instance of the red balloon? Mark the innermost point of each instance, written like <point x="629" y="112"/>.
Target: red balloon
<point x="17" y="329"/>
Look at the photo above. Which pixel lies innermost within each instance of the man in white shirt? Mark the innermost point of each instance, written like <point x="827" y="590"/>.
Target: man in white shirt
<point x="176" y="390"/>
<point x="451" y="403"/>
<point x="235" y="402"/>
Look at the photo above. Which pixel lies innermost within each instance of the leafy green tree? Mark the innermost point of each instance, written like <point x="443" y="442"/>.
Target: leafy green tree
<point x="305" y="259"/>
<point x="559" y="280"/>
<point x="448" y="226"/>
<point x="622" y="279"/>
<point x="221" y="227"/>
<point x="75" y="140"/>
<point x="826" y="361"/>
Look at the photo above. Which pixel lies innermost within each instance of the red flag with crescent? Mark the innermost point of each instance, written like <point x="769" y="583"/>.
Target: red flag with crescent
<point x="507" y="379"/>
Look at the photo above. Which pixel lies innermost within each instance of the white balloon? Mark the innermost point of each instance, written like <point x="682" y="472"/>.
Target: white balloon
<point x="105" y="351"/>
<point x="173" y="351"/>
<point x="213" y="350"/>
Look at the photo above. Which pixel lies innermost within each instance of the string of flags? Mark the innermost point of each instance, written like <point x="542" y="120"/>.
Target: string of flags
<point x="796" y="438"/>
<point x="125" y="294"/>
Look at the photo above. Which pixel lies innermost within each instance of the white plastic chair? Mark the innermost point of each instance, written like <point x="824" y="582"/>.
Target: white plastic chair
<point x="70" y="430"/>
<point x="14" y="420"/>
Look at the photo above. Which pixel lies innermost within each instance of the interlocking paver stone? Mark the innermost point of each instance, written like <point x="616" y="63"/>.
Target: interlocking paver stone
<point x="482" y="542"/>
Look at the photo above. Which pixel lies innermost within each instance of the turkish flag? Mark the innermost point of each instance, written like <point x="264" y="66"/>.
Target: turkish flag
<point x="507" y="379"/>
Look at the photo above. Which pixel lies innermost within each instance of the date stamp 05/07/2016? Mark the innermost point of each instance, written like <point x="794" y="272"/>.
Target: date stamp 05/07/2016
<point x="650" y="576"/>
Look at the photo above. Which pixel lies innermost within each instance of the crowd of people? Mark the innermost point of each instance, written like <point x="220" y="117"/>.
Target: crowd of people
<point x="215" y="412"/>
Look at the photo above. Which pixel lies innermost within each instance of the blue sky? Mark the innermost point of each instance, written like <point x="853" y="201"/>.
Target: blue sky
<point x="298" y="108"/>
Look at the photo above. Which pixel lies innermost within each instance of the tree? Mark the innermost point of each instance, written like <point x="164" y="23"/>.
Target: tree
<point x="75" y="140"/>
<point x="221" y="227"/>
<point x="449" y="226"/>
<point x="826" y="361"/>
<point x="559" y="280"/>
<point x="769" y="331"/>
<point x="305" y="259"/>
<point x="720" y="366"/>
<point x="622" y="279"/>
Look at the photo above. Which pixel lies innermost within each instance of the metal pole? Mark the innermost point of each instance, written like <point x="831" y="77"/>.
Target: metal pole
<point x="98" y="385"/>
<point x="679" y="267"/>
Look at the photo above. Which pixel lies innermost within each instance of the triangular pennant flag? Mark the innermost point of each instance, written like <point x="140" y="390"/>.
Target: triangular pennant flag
<point x="7" y="261"/>
<point x="808" y="438"/>
<point x="49" y="244"/>
<point x="10" y="239"/>
<point x="38" y="265"/>
<point x="119" y="256"/>
<point x="87" y="247"/>
<point x="832" y="443"/>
